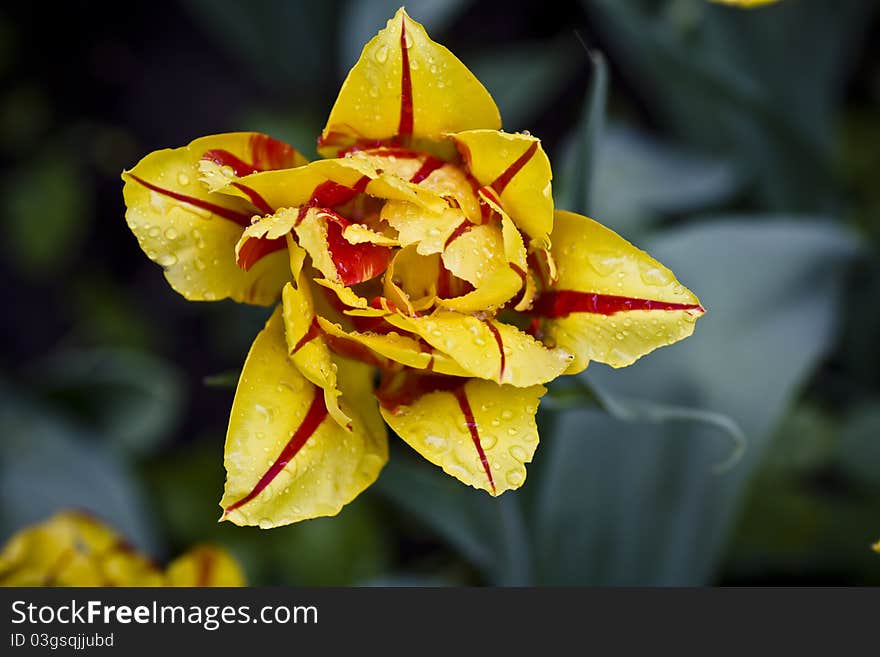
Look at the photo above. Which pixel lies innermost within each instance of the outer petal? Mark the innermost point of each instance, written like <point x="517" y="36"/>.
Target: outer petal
<point x="204" y="565"/>
<point x="308" y="350"/>
<point x="612" y="302"/>
<point x="406" y="85"/>
<point x="487" y="348"/>
<point x="514" y="169"/>
<point x="285" y="461"/>
<point x="481" y="433"/>
<point x="73" y="549"/>
<point x="190" y="231"/>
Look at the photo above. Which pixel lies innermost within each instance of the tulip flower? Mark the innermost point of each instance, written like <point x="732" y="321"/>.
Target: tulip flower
<point x="748" y="4"/>
<point x="76" y="549"/>
<point x="426" y="282"/>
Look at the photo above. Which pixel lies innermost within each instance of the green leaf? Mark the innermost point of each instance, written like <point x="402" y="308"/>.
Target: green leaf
<point x="186" y="484"/>
<point x="523" y="79"/>
<point x="584" y="393"/>
<point x="860" y="446"/>
<point x="285" y="43"/>
<point x="134" y="401"/>
<point x="631" y="503"/>
<point x="639" y="178"/>
<point x="575" y="189"/>
<point x="490" y="533"/>
<point x="227" y="379"/>
<point x="47" y="464"/>
<point x="48" y="214"/>
<point x="719" y="86"/>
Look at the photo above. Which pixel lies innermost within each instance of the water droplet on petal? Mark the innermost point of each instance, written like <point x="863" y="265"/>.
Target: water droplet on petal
<point x="515" y="477"/>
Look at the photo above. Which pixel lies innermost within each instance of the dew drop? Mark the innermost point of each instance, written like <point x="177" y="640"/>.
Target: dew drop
<point x="605" y="262"/>
<point x="381" y="54"/>
<point x="515" y="477"/>
<point x="170" y="234"/>
<point x="519" y="453"/>
<point x="183" y="179"/>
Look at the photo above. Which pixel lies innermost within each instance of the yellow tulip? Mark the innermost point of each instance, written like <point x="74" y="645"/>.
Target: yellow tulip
<point x="748" y="4"/>
<point x="75" y="549"/>
<point x="425" y="245"/>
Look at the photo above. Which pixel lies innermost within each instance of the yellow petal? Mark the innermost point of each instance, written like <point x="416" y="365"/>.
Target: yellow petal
<point x="612" y="302"/>
<point x="496" y="289"/>
<point x="411" y="280"/>
<point x="404" y="349"/>
<point x="480" y="432"/>
<point x="345" y="294"/>
<point x="748" y="4"/>
<point x="192" y="232"/>
<point x="307" y="348"/>
<point x="475" y="253"/>
<point x="406" y="85"/>
<point x="487" y="348"/>
<point x="328" y="183"/>
<point x="443" y="179"/>
<point x="514" y="169"/>
<point x="429" y="232"/>
<point x="204" y="565"/>
<point x="285" y="460"/>
<point x="362" y="234"/>
<point x="73" y="549"/>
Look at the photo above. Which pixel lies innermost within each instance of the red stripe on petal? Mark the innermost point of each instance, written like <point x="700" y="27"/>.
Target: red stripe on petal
<point x="500" y="343"/>
<point x="258" y="201"/>
<point x="313" y="332"/>
<point x="205" y="568"/>
<point x="314" y="416"/>
<point x="268" y="153"/>
<point x="504" y="179"/>
<point x="462" y="228"/>
<point x="256" y="248"/>
<point x="355" y="263"/>
<point x="330" y="194"/>
<point x="399" y="389"/>
<point x="464" y="405"/>
<point x="405" y="127"/>
<point x="224" y="158"/>
<point x="240" y="218"/>
<point x="561" y="303"/>
<point x="429" y="166"/>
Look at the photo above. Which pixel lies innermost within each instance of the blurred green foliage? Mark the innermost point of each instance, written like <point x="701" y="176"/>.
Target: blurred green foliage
<point x="740" y="148"/>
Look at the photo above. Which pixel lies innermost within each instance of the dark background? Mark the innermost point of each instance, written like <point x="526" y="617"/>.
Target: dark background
<point x="741" y="147"/>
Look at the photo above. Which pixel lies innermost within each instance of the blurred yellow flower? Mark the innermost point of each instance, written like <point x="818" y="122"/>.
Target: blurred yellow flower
<point x="745" y="3"/>
<point x="75" y="549"/>
<point x="426" y="245"/>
